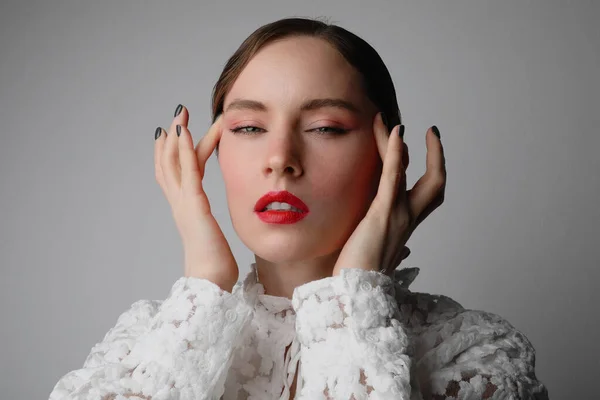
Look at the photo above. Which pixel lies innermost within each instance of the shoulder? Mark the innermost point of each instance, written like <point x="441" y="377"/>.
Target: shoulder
<point x="140" y="310"/>
<point x="476" y="351"/>
<point x="121" y="337"/>
<point x="458" y="351"/>
<point x="419" y="310"/>
<point x="443" y="329"/>
<point x="135" y="317"/>
<point x="462" y="334"/>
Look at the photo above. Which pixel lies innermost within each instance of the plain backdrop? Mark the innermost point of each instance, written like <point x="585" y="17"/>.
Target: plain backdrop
<point x="85" y="230"/>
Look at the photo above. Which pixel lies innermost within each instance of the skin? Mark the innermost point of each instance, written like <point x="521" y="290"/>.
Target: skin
<point x="361" y="214"/>
<point x="336" y="175"/>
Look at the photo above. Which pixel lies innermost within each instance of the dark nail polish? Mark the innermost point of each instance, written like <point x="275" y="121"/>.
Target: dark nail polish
<point x="401" y="131"/>
<point x="157" y="133"/>
<point x="178" y="130"/>
<point x="436" y="131"/>
<point x="178" y="110"/>
<point x="384" y="119"/>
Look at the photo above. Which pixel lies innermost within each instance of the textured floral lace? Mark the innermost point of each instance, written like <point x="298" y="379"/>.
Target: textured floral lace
<point x="177" y="349"/>
<point x="353" y="344"/>
<point x="466" y="354"/>
<point x="360" y="335"/>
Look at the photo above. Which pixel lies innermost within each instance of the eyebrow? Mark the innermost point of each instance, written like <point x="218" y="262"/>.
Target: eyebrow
<point x="314" y="104"/>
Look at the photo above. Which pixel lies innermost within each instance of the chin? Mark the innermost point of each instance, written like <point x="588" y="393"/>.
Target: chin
<point x="278" y="257"/>
<point x="277" y="248"/>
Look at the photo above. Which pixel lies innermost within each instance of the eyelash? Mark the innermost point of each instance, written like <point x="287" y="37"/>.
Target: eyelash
<point x="334" y="131"/>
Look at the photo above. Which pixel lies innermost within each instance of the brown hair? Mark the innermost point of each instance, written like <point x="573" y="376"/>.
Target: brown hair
<point x="376" y="79"/>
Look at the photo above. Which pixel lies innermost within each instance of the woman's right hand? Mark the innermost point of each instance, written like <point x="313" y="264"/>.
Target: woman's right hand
<point x="179" y="170"/>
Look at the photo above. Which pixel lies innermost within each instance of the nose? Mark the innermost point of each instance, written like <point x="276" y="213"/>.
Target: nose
<point x="283" y="156"/>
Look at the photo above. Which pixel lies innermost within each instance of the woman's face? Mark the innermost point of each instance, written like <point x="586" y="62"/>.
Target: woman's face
<point x="286" y="147"/>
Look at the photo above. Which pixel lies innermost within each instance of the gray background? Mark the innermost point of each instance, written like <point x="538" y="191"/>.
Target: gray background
<point x="85" y="230"/>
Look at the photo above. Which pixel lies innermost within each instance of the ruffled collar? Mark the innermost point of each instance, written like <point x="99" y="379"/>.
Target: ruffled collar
<point x="254" y="292"/>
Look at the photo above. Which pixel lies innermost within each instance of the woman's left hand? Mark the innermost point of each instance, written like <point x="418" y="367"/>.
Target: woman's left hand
<point x="378" y="241"/>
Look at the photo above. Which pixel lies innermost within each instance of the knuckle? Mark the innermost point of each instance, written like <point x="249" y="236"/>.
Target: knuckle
<point x="403" y="221"/>
<point x="381" y="216"/>
<point x="438" y="182"/>
<point x="394" y="177"/>
<point x="157" y="175"/>
<point x="168" y="160"/>
<point x="441" y="200"/>
<point x="163" y="159"/>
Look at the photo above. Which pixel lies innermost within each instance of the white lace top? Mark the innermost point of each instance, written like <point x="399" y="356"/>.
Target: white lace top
<point x="359" y="335"/>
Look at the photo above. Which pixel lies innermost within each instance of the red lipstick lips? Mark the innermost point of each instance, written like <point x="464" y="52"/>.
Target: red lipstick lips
<point x="280" y="216"/>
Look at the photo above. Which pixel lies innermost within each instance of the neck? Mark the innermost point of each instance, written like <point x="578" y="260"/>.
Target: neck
<point x="280" y="279"/>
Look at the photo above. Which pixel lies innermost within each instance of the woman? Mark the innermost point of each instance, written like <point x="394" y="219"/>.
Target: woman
<point x="309" y="140"/>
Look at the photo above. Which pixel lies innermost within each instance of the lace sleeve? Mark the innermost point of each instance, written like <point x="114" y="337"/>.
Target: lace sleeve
<point x="353" y="345"/>
<point x="478" y="355"/>
<point x="180" y="348"/>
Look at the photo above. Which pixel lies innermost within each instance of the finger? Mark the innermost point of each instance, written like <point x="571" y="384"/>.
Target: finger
<point x="405" y="253"/>
<point x="402" y="197"/>
<point x="397" y="261"/>
<point x="170" y="163"/>
<point x="180" y="117"/>
<point x="381" y="136"/>
<point x="392" y="175"/>
<point x="159" y="144"/>
<point x="433" y="182"/>
<point x="208" y="143"/>
<point x="429" y="209"/>
<point x="191" y="182"/>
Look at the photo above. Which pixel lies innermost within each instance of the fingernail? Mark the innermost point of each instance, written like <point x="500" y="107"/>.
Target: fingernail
<point x="178" y="130"/>
<point x="384" y="119"/>
<point x="178" y="110"/>
<point x="157" y="133"/>
<point x="436" y="131"/>
<point x="401" y="131"/>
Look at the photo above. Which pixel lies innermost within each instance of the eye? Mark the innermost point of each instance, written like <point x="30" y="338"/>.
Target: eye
<point x="324" y="130"/>
<point x="333" y="131"/>
<point x="243" y="132"/>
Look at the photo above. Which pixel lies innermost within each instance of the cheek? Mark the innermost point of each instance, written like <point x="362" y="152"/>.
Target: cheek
<point x="236" y="171"/>
<point x="349" y="181"/>
<point x="343" y="196"/>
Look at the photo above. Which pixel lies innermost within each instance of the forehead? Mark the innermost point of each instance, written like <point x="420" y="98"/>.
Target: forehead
<point x="295" y="69"/>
